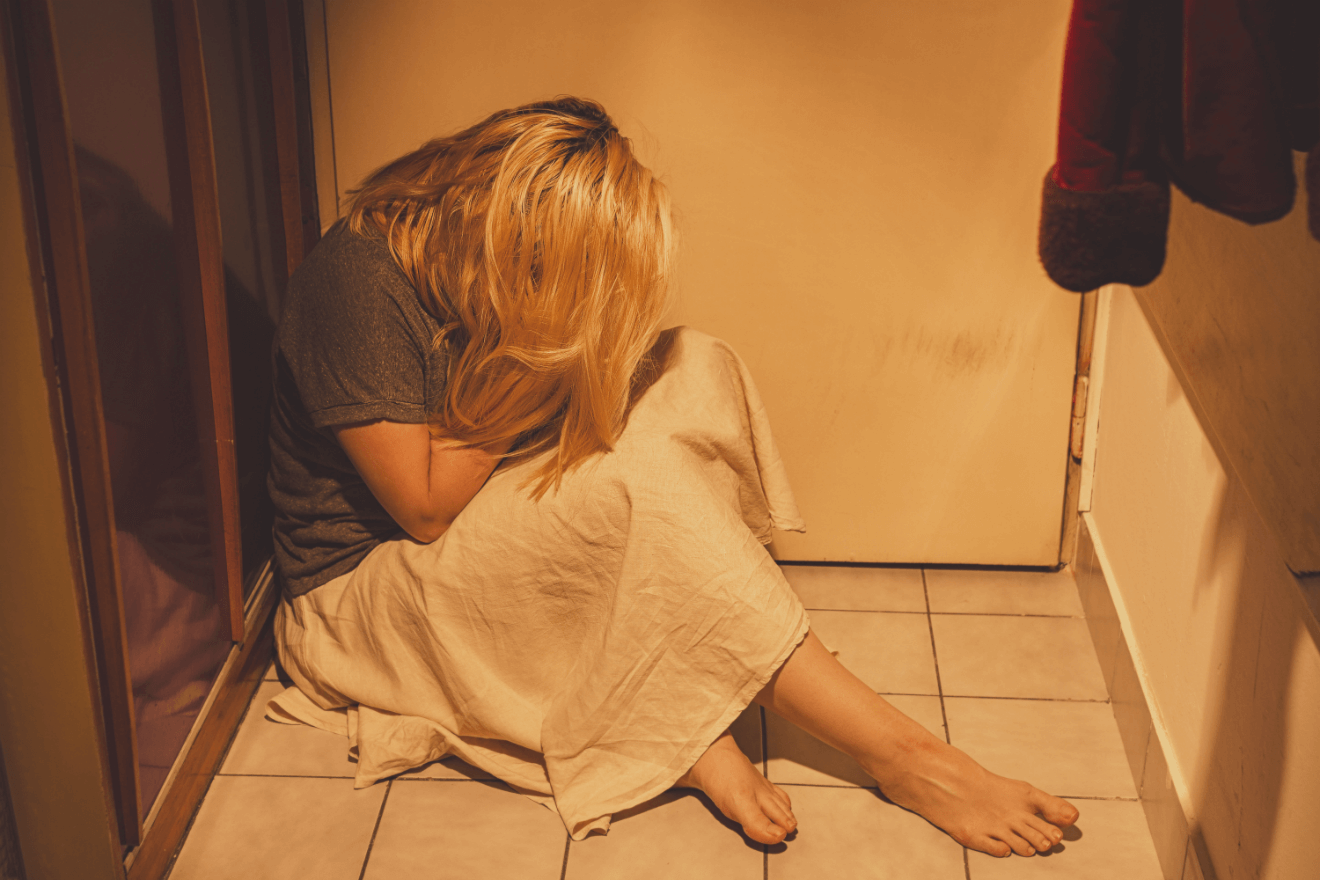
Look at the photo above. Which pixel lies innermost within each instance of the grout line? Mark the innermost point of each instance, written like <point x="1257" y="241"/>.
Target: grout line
<point x="765" y="745"/>
<point x="920" y="566"/>
<point x="1025" y="699"/>
<point x="399" y="778"/>
<point x="952" y="613"/>
<point x="372" y="842"/>
<point x="765" y="771"/>
<point x="1007" y="614"/>
<point x="939" y="685"/>
<point x="281" y="776"/>
<point x="967" y="868"/>
<point x="876" y="788"/>
<point x="411" y="779"/>
<point x="867" y="610"/>
<point x="563" y="869"/>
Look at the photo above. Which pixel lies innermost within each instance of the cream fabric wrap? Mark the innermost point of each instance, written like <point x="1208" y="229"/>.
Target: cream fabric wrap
<point x="587" y="648"/>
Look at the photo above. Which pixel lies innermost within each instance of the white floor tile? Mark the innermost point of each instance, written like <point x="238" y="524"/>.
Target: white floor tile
<point x="891" y="653"/>
<point x="268" y="748"/>
<point x="465" y="831"/>
<point x="1046" y="657"/>
<point x="263" y="828"/>
<point x="1063" y="748"/>
<point x="971" y="591"/>
<point x="677" y="835"/>
<point x="844" y="588"/>
<point x="852" y="833"/>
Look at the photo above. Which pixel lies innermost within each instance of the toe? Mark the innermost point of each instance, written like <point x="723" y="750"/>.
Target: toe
<point x="1050" y="833"/>
<point x="1056" y="810"/>
<point x="778" y="813"/>
<point x="757" y="823"/>
<point x="1017" y="844"/>
<point x="989" y="846"/>
<point x="762" y="830"/>
<point x="1039" y="840"/>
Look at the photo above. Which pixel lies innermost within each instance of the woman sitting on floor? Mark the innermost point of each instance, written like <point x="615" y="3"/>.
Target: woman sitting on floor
<point x="518" y="524"/>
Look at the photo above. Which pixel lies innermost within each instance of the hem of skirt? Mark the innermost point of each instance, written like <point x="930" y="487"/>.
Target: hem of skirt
<point x="580" y="829"/>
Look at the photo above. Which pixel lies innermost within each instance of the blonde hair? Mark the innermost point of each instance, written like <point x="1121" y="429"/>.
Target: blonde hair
<point x="543" y="246"/>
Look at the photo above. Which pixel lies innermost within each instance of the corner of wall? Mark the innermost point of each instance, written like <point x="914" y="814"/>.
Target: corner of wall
<point x="1205" y="637"/>
<point x="1157" y="778"/>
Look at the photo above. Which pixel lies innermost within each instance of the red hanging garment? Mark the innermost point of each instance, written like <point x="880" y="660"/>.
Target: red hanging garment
<point x="1211" y="95"/>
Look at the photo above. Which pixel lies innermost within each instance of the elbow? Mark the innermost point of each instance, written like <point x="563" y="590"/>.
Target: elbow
<point x="425" y="522"/>
<point x="426" y="531"/>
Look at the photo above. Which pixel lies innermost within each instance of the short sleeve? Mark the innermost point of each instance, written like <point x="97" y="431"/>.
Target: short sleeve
<point x="355" y="338"/>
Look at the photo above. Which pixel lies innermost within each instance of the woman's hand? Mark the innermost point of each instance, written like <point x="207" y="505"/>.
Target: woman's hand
<point x="422" y="482"/>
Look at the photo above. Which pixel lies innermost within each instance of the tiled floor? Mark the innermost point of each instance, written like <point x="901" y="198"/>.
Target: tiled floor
<point x="1000" y="663"/>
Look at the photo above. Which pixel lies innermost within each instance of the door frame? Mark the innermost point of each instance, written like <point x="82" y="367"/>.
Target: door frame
<point x="58" y="267"/>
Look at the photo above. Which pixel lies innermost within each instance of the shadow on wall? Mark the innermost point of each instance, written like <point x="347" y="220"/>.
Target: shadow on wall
<point x="1245" y="754"/>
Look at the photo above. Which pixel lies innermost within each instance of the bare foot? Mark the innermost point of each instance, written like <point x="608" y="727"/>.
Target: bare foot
<point x="915" y="768"/>
<point x="977" y="808"/>
<point x="740" y="791"/>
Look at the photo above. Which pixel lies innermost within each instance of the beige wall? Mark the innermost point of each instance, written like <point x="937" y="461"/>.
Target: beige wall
<point x="1238" y="312"/>
<point x="48" y="711"/>
<point x="857" y="187"/>
<point x="1221" y="636"/>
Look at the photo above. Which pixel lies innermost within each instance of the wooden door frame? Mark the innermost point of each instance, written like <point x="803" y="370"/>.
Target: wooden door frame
<point x="1086" y="319"/>
<point x="190" y="151"/>
<point x="44" y="144"/>
<point x="55" y="221"/>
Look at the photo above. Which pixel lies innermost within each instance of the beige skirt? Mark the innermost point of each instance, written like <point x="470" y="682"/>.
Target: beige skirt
<point x="586" y="648"/>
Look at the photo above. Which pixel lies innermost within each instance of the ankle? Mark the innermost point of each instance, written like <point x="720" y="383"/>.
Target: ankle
<point x="903" y="754"/>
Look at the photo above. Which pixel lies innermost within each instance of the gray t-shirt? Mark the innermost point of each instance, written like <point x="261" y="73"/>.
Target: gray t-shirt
<point x="354" y="344"/>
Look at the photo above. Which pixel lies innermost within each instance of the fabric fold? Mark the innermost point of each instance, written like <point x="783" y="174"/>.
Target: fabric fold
<point x="586" y="648"/>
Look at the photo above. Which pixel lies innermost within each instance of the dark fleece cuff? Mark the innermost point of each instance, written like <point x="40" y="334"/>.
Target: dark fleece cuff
<point x="1115" y="236"/>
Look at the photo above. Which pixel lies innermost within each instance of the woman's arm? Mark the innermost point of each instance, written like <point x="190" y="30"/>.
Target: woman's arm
<point x="422" y="482"/>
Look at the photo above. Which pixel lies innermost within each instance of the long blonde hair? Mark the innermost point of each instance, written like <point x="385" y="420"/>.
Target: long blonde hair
<point x="544" y="248"/>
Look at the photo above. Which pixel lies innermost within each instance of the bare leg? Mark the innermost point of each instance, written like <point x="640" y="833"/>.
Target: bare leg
<point x="914" y="768"/>
<point x="740" y="791"/>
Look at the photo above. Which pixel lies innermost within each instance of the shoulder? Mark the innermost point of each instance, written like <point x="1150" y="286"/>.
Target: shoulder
<point x="354" y="338"/>
<point x="350" y="288"/>
<point x="347" y="269"/>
